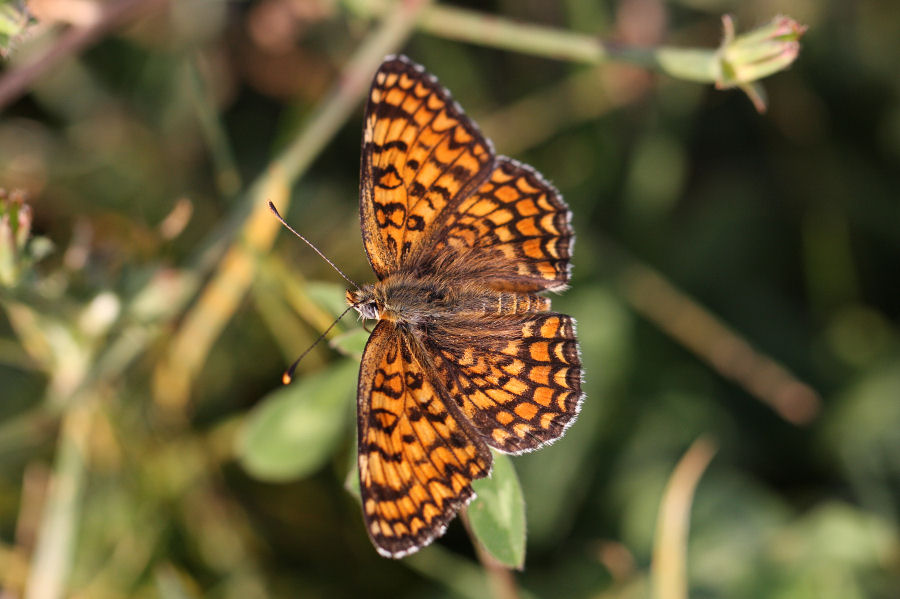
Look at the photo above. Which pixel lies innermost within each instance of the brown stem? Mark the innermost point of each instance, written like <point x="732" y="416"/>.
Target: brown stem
<point x="14" y="83"/>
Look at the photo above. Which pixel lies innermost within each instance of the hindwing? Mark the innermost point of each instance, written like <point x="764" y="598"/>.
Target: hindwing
<point x="517" y="380"/>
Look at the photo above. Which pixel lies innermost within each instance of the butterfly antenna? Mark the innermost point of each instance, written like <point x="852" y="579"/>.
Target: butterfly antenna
<point x="288" y="375"/>
<point x="310" y="244"/>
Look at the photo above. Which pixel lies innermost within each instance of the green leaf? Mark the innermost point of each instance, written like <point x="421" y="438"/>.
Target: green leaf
<point x="295" y="429"/>
<point x="351" y="481"/>
<point x="352" y="343"/>
<point x="330" y="296"/>
<point x="169" y="583"/>
<point x="497" y="515"/>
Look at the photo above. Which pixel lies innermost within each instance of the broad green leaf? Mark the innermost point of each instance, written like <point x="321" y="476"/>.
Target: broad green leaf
<point x="497" y="515"/>
<point x="295" y="429"/>
<point x="352" y="343"/>
<point x="330" y="296"/>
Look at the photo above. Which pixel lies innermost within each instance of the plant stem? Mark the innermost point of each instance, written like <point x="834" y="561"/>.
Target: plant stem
<point x="700" y="331"/>
<point x="489" y="30"/>
<point x="669" y="567"/>
<point x="228" y="178"/>
<point x="501" y="579"/>
<point x="53" y="555"/>
<point x="75" y="39"/>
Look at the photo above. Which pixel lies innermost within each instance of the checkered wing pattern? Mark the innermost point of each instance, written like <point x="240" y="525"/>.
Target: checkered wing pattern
<point x="518" y="381"/>
<point x="417" y="456"/>
<point x="420" y="154"/>
<point x="466" y="354"/>
<point x="520" y="222"/>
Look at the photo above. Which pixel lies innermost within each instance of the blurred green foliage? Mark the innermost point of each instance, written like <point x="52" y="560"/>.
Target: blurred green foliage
<point x="735" y="277"/>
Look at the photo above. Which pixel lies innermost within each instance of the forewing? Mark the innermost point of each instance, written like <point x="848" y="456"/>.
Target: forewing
<point x="416" y="459"/>
<point x="518" y="381"/>
<point x="522" y="225"/>
<point x="420" y="154"/>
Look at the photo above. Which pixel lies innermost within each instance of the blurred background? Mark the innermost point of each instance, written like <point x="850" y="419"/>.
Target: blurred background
<point x="735" y="285"/>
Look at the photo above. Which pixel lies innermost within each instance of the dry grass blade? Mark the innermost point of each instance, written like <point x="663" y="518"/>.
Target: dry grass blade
<point x="217" y="303"/>
<point x="53" y="555"/>
<point x="669" y="567"/>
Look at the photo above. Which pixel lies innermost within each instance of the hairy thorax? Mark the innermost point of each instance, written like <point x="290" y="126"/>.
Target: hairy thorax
<point x="418" y="302"/>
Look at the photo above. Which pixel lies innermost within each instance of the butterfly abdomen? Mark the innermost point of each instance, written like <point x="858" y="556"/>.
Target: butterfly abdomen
<point x="419" y="302"/>
<point x="510" y="303"/>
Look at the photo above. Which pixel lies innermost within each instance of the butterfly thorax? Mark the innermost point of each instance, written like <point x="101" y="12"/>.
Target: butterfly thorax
<point x="418" y="302"/>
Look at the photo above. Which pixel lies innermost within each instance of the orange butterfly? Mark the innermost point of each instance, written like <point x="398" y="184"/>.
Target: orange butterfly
<point x="465" y="355"/>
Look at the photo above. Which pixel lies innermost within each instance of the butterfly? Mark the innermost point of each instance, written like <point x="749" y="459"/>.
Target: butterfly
<point x="466" y="354"/>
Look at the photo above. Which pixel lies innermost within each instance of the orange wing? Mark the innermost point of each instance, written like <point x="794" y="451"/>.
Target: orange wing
<point x="416" y="458"/>
<point x="518" y="381"/>
<point x="420" y="154"/>
<point x="519" y="223"/>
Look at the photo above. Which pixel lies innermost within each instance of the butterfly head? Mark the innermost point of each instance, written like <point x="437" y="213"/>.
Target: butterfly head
<point x="364" y="302"/>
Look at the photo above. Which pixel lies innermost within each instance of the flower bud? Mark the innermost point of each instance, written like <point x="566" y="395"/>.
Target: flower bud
<point x="15" y="228"/>
<point x="749" y="57"/>
<point x="14" y="21"/>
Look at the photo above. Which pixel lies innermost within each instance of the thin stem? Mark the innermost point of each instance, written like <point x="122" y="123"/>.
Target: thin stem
<point x="115" y="14"/>
<point x="54" y="553"/>
<point x="490" y="30"/>
<point x="700" y="331"/>
<point x="502" y="581"/>
<point x="669" y="567"/>
<point x="228" y="178"/>
<point x="474" y="27"/>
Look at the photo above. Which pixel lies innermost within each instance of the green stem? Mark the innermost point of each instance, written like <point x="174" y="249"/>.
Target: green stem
<point x="694" y="64"/>
<point x="337" y="106"/>
<point x="757" y="54"/>
<point x="471" y="26"/>
<point x="228" y="178"/>
<point x="489" y="30"/>
<point x="53" y="555"/>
